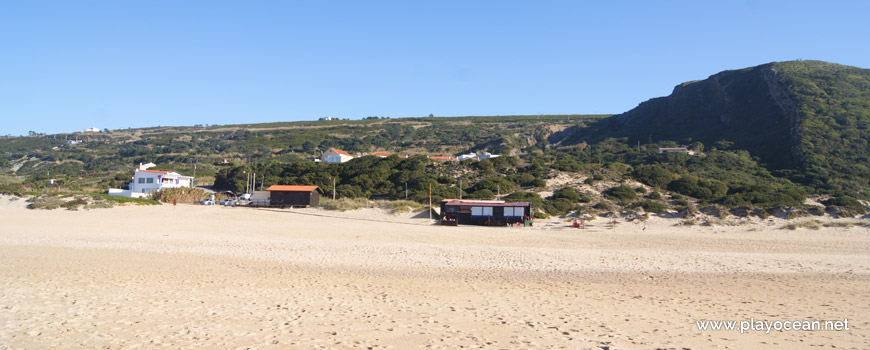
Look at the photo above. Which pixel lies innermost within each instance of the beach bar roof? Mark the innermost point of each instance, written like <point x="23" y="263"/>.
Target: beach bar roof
<point x="294" y="195"/>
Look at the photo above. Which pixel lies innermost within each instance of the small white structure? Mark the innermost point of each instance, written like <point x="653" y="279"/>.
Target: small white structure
<point x="92" y="130"/>
<point x="476" y="156"/>
<point x="462" y="157"/>
<point x="146" y="181"/>
<point x="260" y="198"/>
<point x="327" y="118"/>
<point x="663" y="150"/>
<point x="486" y="155"/>
<point x="334" y="155"/>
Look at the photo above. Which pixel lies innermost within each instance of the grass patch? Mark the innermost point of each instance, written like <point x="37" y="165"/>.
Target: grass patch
<point x="99" y="205"/>
<point x="845" y="224"/>
<point x="722" y="222"/>
<point x="343" y="204"/>
<point x="47" y="202"/>
<point x="75" y="203"/>
<point x="812" y="225"/>
<point x="122" y="200"/>
<point x="400" y="206"/>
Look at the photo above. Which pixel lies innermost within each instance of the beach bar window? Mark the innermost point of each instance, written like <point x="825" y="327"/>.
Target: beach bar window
<point x="476" y="211"/>
<point x="514" y="212"/>
<point x="481" y="211"/>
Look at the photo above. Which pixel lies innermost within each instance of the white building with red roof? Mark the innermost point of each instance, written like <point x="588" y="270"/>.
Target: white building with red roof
<point x="334" y="155"/>
<point x="146" y="181"/>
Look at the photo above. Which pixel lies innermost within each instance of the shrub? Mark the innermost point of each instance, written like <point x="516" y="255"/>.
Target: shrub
<point x="843" y="201"/>
<point x="602" y="206"/>
<point x="180" y="194"/>
<point x="558" y="206"/>
<point x="655" y="175"/>
<point x="567" y="193"/>
<point x="701" y="188"/>
<point x="623" y="194"/>
<point x="47" y="202"/>
<point x="588" y="180"/>
<point x="481" y="194"/>
<point x="99" y="205"/>
<point x="75" y="203"/>
<point x="654" y="195"/>
<point x="640" y="190"/>
<point x="520" y="196"/>
<point x="538" y="183"/>
<point x="652" y="206"/>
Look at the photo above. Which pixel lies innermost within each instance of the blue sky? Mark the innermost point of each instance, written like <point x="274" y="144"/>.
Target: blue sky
<point x="70" y="65"/>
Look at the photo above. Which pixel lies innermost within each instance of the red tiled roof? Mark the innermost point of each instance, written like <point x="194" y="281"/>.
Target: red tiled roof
<point x="293" y="188"/>
<point x="336" y="150"/>
<point x="442" y="158"/>
<point x="152" y="171"/>
<point x="381" y="154"/>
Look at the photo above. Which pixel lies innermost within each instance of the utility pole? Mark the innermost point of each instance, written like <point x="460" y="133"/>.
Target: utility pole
<point x="460" y="189"/>
<point x="406" y="190"/>
<point x="333" y="188"/>
<point x="430" y="201"/>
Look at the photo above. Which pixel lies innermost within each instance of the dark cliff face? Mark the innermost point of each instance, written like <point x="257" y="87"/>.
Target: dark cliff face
<point x="748" y="107"/>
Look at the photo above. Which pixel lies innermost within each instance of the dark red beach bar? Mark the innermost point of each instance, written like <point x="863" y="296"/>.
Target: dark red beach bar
<point x="486" y="213"/>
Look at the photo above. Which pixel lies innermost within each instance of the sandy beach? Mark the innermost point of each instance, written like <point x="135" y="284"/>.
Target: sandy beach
<point x="216" y="277"/>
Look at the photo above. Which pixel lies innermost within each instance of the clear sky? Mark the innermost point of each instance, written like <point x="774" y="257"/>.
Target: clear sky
<point x="70" y="65"/>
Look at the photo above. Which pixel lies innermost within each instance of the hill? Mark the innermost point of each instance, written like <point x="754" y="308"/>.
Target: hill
<point x="766" y="137"/>
<point x="808" y="121"/>
<point x="106" y="159"/>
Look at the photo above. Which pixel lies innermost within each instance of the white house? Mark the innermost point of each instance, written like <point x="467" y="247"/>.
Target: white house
<point x="663" y="150"/>
<point x="486" y="155"/>
<point x="146" y="181"/>
<point x="334" y="155"/>
<point x="92" y="130"/>
<point x="476" y="156"/>
<point x="462" y="157"/>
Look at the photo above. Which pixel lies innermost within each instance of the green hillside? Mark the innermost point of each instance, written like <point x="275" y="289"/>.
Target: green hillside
<point x="803" y="120"/>
<point x="766" y="137"/>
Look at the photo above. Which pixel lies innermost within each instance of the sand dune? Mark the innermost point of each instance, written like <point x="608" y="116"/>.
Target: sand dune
<point x="214" y="277"/>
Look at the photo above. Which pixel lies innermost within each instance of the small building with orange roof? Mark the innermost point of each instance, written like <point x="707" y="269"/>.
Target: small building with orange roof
<point x="294" y="195"/>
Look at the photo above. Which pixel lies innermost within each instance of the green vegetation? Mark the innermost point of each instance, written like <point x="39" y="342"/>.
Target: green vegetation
<point x="790" y="124"/>
<point x="811" y="224"/>
<point x="622" y="194"/>
<point x="765" y="136"/>
<point x="124" y="200"/>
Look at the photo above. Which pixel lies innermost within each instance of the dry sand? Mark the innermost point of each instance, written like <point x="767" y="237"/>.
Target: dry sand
<point x="215" y="277"/>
